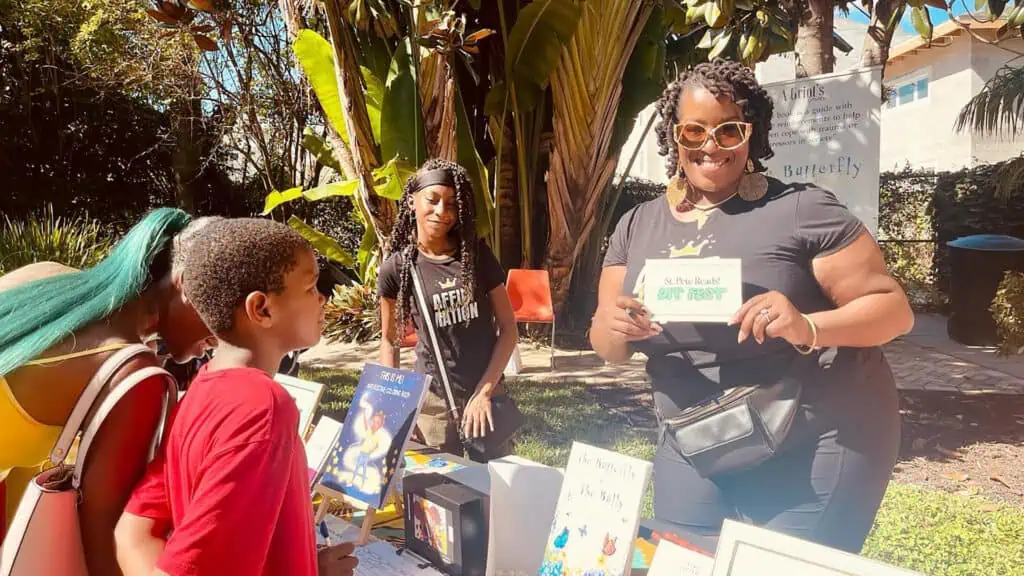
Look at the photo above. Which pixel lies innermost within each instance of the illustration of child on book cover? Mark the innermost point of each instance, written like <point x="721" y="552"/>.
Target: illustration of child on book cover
<point x="384" y="408"/>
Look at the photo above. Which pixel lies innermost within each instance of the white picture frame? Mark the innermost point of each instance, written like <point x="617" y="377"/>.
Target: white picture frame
<point x="307" y="397"/>
<point x="746" y="550"/>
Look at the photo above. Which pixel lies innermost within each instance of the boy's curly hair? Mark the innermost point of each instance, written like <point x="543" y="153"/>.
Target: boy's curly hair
<point x="725" y="79"/>
<point x="231" y="258"/>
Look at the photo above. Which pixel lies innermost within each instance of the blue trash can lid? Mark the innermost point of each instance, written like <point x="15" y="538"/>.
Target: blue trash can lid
<point x="993" y="242"/>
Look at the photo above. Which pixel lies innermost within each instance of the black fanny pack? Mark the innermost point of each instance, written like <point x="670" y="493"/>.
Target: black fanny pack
<point x="737" y="428"/>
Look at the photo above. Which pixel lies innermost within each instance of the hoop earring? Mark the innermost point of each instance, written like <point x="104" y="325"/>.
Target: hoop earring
<point x="679" y="194"/>
<point x="753" y="185"/>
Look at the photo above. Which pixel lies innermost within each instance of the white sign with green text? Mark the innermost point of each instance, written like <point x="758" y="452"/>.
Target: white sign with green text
<point x="693" y="289"/>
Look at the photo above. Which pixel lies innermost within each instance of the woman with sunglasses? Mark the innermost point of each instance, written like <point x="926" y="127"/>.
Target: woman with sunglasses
<point x="816" y="294"/>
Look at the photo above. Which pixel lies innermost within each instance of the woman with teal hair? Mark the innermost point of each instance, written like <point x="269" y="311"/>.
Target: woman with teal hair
<point x="58" y="326"/>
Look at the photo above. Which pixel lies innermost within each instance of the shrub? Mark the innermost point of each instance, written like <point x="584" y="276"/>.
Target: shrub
<point x="353" y="314"/>
<point x="1008" y="311"/>
<point x="77" y="241"/>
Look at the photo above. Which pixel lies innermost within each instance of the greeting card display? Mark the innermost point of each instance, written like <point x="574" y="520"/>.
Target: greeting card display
<point x="306" y="395"/>
<point x="692" y="289"/>
<point x="598" y="510"/>
<point x="362" y="464"/>
<point x="319" y="446"/>
<point x="671" y="559"/>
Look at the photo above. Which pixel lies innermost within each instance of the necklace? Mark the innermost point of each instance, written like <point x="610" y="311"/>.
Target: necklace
<point x="691" y="212"/>
<point x="685" y="205"/>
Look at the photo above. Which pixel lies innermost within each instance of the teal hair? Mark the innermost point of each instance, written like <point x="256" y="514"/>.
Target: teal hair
<point x="39" y="314"/>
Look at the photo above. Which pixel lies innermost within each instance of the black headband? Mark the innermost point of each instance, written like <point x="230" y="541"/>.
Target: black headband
<point x="435" y="177"/>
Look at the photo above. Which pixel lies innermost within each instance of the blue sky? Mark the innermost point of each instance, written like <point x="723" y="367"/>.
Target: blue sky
<point x="938" y="16"/>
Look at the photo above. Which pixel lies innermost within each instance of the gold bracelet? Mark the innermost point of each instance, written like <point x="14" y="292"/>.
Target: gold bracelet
<point x="814" y="338"/>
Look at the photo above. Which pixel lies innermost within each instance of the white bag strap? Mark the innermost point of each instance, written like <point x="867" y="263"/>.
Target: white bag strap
<point x="88" y="397"/>
<point x="428" y="320"/>
<point x="110" y="402"/>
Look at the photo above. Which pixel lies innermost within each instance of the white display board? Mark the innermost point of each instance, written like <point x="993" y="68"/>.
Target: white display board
<point x="745" y="550"/>
<point x="826" y="130"/>
<point x="523" y="498"/>
<point x="306" y="395"/>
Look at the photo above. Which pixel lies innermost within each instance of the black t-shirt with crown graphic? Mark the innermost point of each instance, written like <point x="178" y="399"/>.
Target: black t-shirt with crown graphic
<point x="466" y="327"/>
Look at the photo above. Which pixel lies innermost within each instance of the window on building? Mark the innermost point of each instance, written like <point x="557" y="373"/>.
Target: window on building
<point x="904" y="92"/>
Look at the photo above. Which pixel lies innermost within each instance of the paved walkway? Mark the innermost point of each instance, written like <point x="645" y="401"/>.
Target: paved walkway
<point x="926" y="359"/>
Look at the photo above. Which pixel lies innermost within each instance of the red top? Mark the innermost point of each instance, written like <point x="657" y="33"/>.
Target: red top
<point x="232" y="481"/>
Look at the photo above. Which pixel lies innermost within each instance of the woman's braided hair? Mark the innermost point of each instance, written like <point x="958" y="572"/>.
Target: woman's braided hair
<point x="724" y="79"/>
<point x="404" y="241"/>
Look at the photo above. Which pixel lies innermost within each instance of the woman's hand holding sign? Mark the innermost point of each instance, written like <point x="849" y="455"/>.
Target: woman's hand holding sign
<point x="772" y="315"/>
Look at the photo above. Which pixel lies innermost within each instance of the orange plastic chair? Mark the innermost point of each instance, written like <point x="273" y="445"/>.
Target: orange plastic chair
<point x="530" y="292"/>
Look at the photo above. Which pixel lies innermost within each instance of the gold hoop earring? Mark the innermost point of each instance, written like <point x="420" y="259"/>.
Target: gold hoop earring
<point x="679" y="194"/>
<point x="753" y="185"/>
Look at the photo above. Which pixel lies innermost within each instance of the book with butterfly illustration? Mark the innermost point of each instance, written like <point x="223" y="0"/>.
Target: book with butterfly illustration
<point x="598" y="511"/>
<point x="362" y="463"/>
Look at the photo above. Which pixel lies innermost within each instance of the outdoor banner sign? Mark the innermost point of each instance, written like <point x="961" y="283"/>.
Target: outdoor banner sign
<point x="826" y="130"/>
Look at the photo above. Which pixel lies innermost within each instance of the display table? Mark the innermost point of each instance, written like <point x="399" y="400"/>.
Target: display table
<point x="389" y="524"/>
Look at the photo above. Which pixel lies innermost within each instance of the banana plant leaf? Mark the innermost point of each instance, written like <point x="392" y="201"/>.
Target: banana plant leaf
<point x="323" y="243"/>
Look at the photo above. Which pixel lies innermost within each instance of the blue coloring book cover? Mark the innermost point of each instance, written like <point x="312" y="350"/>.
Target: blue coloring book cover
<point x="363" y="462"/>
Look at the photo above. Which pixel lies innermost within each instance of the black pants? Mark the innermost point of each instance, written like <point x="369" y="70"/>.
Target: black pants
<point x="826" y="489"/>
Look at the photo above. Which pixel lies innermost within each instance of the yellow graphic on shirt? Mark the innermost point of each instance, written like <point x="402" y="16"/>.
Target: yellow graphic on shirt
<point x="446" y="284"/>
<point x="691" y="249"/>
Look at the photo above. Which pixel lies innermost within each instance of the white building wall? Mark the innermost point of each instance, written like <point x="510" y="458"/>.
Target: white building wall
<point x="921" y="133"/>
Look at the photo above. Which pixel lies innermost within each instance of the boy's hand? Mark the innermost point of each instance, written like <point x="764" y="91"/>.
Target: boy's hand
<point x="337" y="560"/>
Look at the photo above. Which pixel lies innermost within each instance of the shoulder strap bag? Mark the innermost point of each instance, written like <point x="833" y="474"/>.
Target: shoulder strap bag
<point x="44" y="535"/>
<point x="506" y="415"/>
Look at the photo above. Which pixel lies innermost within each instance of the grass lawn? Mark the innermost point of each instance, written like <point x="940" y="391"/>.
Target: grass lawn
<point x="932" y="532"/>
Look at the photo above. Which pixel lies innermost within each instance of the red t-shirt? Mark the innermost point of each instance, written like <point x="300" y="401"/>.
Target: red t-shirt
<point x="231" y="483"/>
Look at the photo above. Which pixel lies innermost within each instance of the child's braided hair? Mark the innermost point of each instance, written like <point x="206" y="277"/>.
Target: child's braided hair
<point x="725" y="79"/>
<point x="404" y="241"/>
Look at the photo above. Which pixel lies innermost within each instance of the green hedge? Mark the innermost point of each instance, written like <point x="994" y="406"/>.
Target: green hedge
<point x="965" y="203"/>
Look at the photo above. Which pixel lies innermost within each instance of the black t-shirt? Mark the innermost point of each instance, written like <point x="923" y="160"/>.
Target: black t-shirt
<point x="466" y="328"/>
<point x="776" y="238"/>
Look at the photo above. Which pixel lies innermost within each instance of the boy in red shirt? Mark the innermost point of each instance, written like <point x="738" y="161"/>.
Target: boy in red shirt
<point x="229" y="493"/>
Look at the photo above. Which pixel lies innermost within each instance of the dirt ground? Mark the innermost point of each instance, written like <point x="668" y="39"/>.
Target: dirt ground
<point x="965" y="444"/>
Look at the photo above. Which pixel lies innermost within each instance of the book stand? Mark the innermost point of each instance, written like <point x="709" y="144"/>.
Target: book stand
<point x="327" y="495"/>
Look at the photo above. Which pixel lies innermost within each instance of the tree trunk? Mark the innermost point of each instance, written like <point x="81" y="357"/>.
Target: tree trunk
<point x="437" y="92"/>
<point x="877" y="41"/>
<point x="187" y="158"/>
<point x="292" y="15"/>
<point x="357" y="121"/>
<point x="506" y="199"/>
<point x="814" y="39"/>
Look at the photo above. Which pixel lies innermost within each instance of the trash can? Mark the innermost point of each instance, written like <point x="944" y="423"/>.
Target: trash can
<point x="977" y="264"/>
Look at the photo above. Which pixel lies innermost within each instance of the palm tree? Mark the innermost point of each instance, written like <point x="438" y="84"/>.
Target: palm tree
<point x="999" y="109"/>
<point x="998" y="106"/>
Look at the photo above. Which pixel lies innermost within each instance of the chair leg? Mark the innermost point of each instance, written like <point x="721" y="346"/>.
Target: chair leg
<point x="552" y="344"/>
